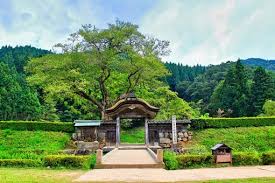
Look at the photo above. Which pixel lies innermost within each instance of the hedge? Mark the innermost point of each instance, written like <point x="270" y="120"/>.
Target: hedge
<point x="201" y="123"/>
<point x="268" y="158"/>
<point x="20" y="163"/>
<point x="190" y="160"/>
<point x="170" y="160"/>
<point x="70" y="161"/>
<point x="37" y="125"/>
<point x="245" y="158"/>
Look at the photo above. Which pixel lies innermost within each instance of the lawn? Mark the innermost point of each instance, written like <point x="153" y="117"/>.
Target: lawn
<point x="133" y="136"/>
<point x="244" y="139"/>
<point x="30" y="144"/>
<point x="38" y="175"/>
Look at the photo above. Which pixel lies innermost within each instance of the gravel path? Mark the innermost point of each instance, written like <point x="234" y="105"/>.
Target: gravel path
<point x="161" y="175"/>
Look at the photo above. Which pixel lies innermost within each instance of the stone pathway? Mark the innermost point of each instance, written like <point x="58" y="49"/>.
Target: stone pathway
<point x="161" y="175"/>
<point x="137" y="156"/>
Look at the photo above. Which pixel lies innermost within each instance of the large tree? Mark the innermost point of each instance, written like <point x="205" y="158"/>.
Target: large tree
<point x="99" y="65"/>
<point x="262" y="89"/>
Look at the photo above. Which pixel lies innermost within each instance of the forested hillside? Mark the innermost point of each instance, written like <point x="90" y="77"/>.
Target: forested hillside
<point x="253" y="85"/>
<point x="258" y="62"/>
<point x="17" y="100"/>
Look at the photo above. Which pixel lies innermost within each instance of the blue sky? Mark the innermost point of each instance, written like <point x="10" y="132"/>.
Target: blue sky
<point x="200" y="31"/>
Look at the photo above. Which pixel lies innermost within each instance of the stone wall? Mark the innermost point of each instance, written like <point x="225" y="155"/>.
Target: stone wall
<point x="165" y="138"/>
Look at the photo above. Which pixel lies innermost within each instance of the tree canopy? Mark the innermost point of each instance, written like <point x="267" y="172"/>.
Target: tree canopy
<point x="98" y="65"/>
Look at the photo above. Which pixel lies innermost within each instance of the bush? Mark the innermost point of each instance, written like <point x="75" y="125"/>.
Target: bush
<point x="70" y="161"/>
<point x="170" y="160"/>
<point x="20" y="163"/>
<point x="37" y="125"/>
<point x="268" y="158"/>
<point x="201" y="123"/>
<point x="245" y="158"/>
<point x="190" y="160"/>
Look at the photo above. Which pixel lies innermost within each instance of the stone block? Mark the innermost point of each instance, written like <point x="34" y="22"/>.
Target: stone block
<point x="185" y="134"/>
<point x="164" y="141"/>
<point x="190" y="133"/>
<point x="69" y="151"/>
<point x="161" y="135"/>
<point x="189" y="137"/>
<point x="166" y="135"/>
<point x="91" y="146"/>
<point x="185" y="139"/>
<point x="180" y="134"/>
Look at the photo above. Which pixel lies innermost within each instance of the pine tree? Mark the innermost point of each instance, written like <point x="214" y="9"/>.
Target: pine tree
<point x="262" y="89"/>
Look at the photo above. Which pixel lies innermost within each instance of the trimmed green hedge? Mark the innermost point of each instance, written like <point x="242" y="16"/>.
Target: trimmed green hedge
<point x="173" y="161"/>
<point x="20" y="163"/>
<point x="192" y="161"/>
<point x="170" y="160"/>
<point x="70" y="161"/>
<point x="37" y="125"/>
<point x="201" y="123"/>
<point x="244" y="158"/>
<point x="268" y="158"/>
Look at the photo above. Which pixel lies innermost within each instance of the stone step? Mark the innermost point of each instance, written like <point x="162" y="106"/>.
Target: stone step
<point x="113" y="166"/>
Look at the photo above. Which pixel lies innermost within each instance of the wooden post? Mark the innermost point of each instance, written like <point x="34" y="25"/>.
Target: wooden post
<point x="117" y="131"/>
<point x="174" y="130"/>
<point x="146" y="132"/>
<point x="99" y="155"/>
<point x="159" y="155"/>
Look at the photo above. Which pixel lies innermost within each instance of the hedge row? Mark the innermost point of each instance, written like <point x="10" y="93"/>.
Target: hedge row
<point x="173" y="161"/>
<point x="70" y="161"/>
<point x="37" y="125"/>
<point x="53" y="161"/>
<point x="20" y="163"/>
<point x="201" y="123"/>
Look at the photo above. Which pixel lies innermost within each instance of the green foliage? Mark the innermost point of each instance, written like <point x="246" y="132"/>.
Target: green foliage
<point x="30" y="144"/>
<point x="192" y="161"/>
<point x="132" y="136"/>
<point x="17" y="100"/>
<point x="20" y="163"/>
<point x="262" y="89"/>
<point x="242" y="139"/>
<point x="168" y="102"/>
<point x="269" y="108"/>
<point x="246" y="158"/>
<point x="37" y="125"/>
<point x="232" y="94"/>
<point x="170" y="160"/>
<point x="201" y="123"/>
<point x="70" y="161"/>
<point x="268" y="158"/>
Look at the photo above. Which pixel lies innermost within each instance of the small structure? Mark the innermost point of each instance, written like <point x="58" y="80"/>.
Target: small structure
<point x="162" y="133"/>
<point x="222" y="153"/>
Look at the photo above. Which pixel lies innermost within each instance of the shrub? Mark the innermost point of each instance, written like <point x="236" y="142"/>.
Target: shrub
<point x="37" y="125"/>
<point x="190" y="160"/>
<point x="170" y="160"/>
<point x="201" y="123"/>
<point x="70" y="161"/>
<point x="20" y="163"/>
<point x="268" y="158"/>
<point x="246" y="158"/>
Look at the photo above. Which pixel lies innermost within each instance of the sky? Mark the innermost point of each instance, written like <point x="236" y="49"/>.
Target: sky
<point x="199" y="31"/>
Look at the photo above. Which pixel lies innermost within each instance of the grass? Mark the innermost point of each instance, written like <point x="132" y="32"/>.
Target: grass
<point x="30" y="144"/>
<point x="243" y="139"/>
<point x="133" y="136"/>
<point x="38" y="175"/>
<point x="64" y="176"/>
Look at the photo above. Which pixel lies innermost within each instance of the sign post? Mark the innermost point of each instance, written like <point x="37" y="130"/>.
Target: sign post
<point x="174" y="130"/>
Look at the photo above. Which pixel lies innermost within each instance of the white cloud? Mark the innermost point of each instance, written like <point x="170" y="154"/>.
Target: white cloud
<point x="43" y="24"/>
<point x="209" y="33"/>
